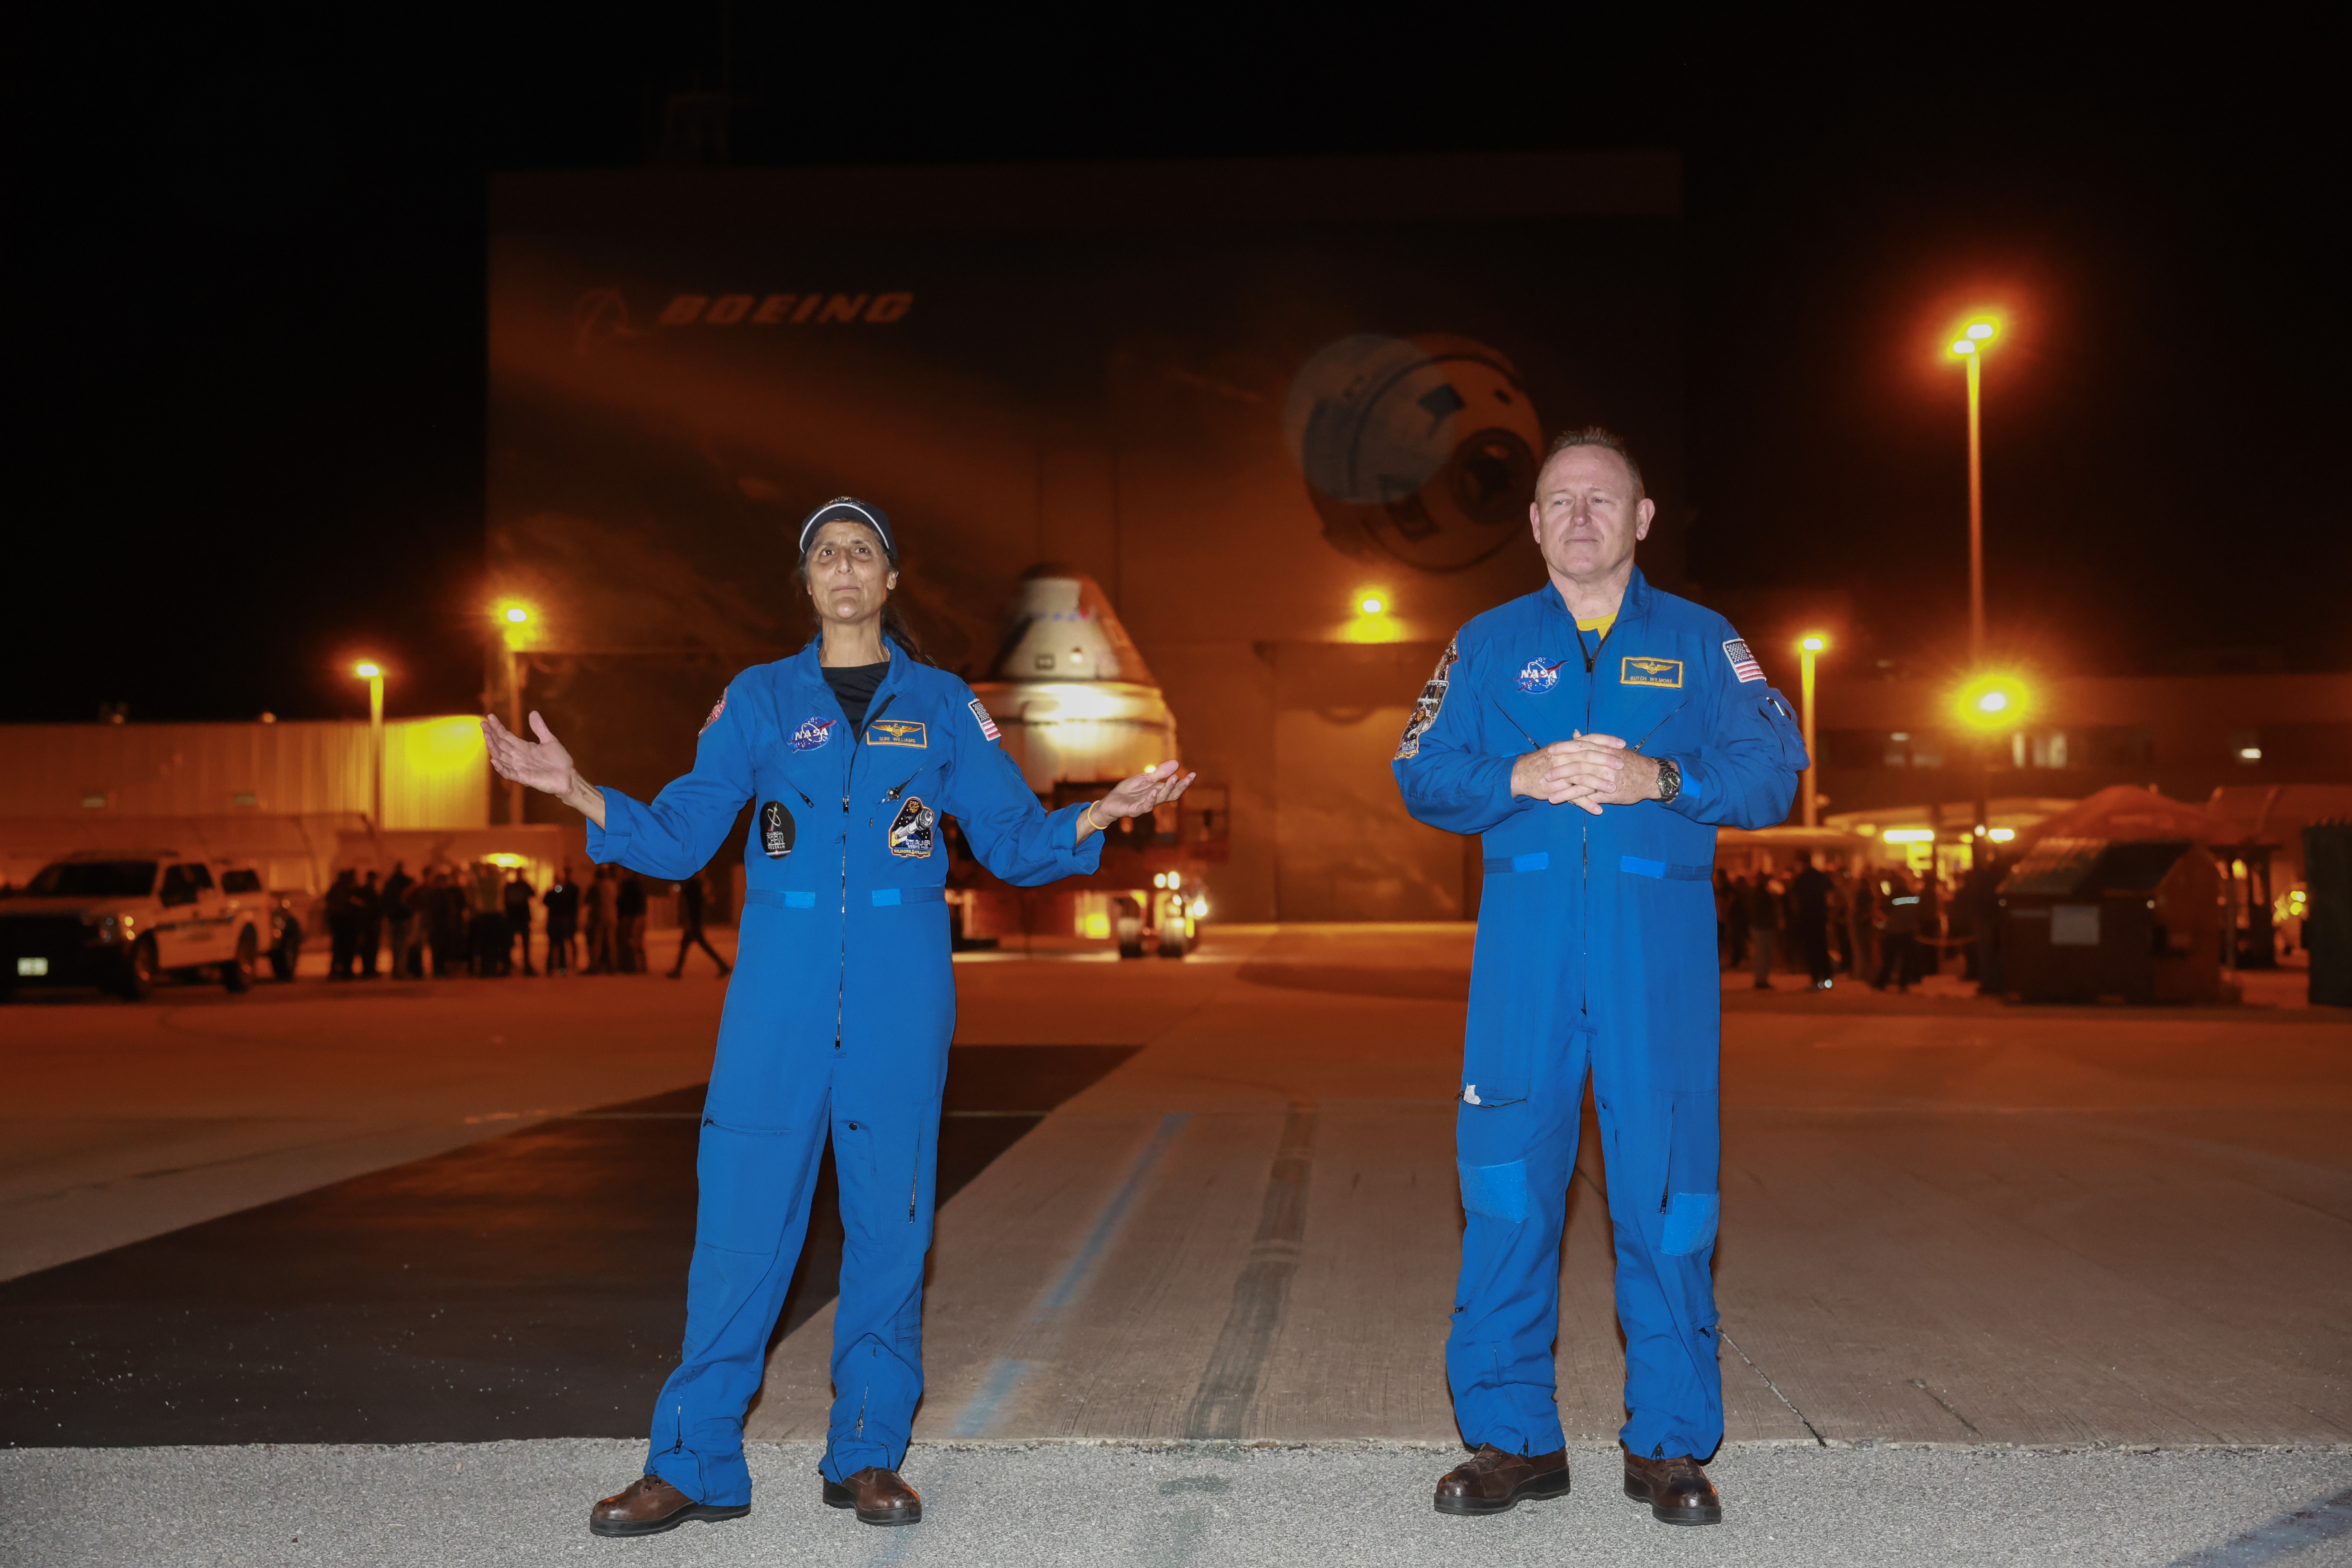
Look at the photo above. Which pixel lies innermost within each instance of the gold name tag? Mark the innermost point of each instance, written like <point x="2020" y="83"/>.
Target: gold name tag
<point x="1640" y="670"/>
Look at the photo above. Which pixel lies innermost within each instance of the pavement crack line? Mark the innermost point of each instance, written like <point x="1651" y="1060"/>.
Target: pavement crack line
<point x="1262" y="1292"/>
<point x="1775" y="1387"/>
<point x="1940" y="1400"/>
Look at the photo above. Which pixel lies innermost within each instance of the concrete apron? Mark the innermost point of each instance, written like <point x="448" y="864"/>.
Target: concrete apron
<point x="1212" y="1244"/>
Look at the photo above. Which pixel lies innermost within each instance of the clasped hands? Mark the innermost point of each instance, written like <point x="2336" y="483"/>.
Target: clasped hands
<point x="1590" y="771"/>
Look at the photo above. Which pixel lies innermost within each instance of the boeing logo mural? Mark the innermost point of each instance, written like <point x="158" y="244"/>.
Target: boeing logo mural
<point x="604" y="313"/>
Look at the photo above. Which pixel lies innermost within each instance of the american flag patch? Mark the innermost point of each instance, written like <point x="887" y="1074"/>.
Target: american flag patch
<point x="1743" y="663"/>
<point x="987" y="724"/>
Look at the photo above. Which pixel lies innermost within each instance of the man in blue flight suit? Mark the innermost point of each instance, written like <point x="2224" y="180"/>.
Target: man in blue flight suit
<point x="1596" y="732"/>
<point x="840" y="1010"/>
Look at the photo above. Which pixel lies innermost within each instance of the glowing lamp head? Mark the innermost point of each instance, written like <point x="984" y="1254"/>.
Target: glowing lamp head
<point x="1993" y="702"/>
<point x="1963" y="346"/>
<point x="1813" y="643"/>
<point x="515" y="614"/>
<point x="1980" y="331"/>
<point x="1372" y="605"/>
<point x="367" y="671"/>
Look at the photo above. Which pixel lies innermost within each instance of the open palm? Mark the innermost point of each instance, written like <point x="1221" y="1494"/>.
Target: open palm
<point x="1150" y="788"/>
<point x="544" y="765"/>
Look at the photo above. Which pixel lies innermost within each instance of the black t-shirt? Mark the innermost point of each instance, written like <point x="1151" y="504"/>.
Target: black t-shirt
<point x="853" y="686"/>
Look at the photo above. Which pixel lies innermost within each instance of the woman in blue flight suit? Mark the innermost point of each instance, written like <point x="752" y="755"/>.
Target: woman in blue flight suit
<point x="838" y="1018"/>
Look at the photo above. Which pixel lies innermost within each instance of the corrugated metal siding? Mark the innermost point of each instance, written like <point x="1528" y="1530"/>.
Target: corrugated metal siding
<point x="436" y="771"/>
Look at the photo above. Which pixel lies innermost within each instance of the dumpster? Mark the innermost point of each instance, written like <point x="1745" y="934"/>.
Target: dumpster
<point x="2327" y="929"/>
<point x="2088" y="919"/>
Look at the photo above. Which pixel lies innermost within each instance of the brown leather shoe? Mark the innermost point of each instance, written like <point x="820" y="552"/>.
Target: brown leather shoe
<point x="1491" y="1481"/>
<point x="649" y="1505"/>
<point x="879" y="1496"/>
<point x="1676" y="1489"/>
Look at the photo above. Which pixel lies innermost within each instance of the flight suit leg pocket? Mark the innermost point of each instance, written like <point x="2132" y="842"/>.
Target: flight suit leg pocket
<point x="1693" y="1201"/>
<point x="1497" y="1192"/>
<point x="743" y="1186"/>
<point x="1690" y="1222"/>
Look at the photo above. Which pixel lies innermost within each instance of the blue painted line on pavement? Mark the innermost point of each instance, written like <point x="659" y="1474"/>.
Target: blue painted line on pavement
<point x="997" y="1387"/>
<point x="1073" y="1277"/>
<point x="1003" y="1378"/>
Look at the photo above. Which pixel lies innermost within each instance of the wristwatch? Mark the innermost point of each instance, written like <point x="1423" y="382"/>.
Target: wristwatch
<point x="1669" y="780"/>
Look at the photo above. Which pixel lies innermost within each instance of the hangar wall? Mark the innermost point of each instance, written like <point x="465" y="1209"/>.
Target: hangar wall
<point x="1243" y="396"/>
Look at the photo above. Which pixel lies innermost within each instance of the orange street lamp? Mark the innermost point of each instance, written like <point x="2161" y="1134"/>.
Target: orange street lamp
<point x="514" y="622"/>
<point x="372" y="673"/>
<point x="1969" y="347"/>
<point x="1808" y="646"/>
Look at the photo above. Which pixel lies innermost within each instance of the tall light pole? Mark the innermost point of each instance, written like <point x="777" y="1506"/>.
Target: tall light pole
<point x="372" y="673"/>
<point x="513" y="619"/>
<point x="1969" y="347"/>
<point x="1812" y="644"/>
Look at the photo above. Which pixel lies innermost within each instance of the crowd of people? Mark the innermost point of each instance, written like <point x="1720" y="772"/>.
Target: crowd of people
<point x="1886" y="926"/>
<point x="477" y="920"/>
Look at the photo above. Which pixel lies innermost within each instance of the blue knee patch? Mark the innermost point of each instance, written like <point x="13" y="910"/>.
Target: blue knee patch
<point x="1498" y="1192"/>
<point x="1690" y="1222"/>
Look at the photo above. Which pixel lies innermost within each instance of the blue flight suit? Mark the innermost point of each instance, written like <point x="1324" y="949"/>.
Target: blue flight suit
<point x="837" y="1020"/>
<point x="1595" y="955"/>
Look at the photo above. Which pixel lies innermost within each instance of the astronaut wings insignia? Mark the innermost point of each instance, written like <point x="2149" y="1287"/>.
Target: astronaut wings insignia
<point x="1425" y="707"/>
<point x="1645" y="670"/>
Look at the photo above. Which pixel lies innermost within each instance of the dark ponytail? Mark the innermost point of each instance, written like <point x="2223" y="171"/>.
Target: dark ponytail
<point x="894" y="627"/>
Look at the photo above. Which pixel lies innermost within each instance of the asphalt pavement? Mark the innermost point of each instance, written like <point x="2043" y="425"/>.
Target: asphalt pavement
<point x="511" y="1505"/>
<point x="2030" y="1285"/>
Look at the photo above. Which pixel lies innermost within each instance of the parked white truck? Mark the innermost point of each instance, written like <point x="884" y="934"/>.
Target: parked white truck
<point x="123" y="920"/>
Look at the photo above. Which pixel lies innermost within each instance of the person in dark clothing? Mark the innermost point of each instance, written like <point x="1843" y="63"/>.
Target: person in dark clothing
<point x="419" y="901"/>
<point x="1724" y="898"/>
<point x="632" y="912"/>
<point x="369" y="905"/>
<point x="398" y="916"/>
<point x="342" y="924"/>
<point x="1764" y="917"/>
<point x="689" y="925"/>
<point x="562" y="901"/>
<point x="445" y="916"/>
<point x="517" y="897"/>
<point x="1898" y="926"/>
<point x="1981" y="896"/>
<point x="1735" y="918"/>
<point x="1861" y="912"/>
<point x="1810" y="892"/>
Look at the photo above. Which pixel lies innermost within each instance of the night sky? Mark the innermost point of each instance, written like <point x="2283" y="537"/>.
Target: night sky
<point x="248" y="265"/>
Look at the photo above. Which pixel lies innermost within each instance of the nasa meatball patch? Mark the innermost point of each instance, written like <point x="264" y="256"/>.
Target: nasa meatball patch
<point x="812" y="733"/>
<point x="1428" y="705"/>
<point x="1540" y="676"/>
<point x="1743" y="663"/>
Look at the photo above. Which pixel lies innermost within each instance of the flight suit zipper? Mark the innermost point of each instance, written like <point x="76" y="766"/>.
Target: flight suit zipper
<point x="849" y="776"/>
